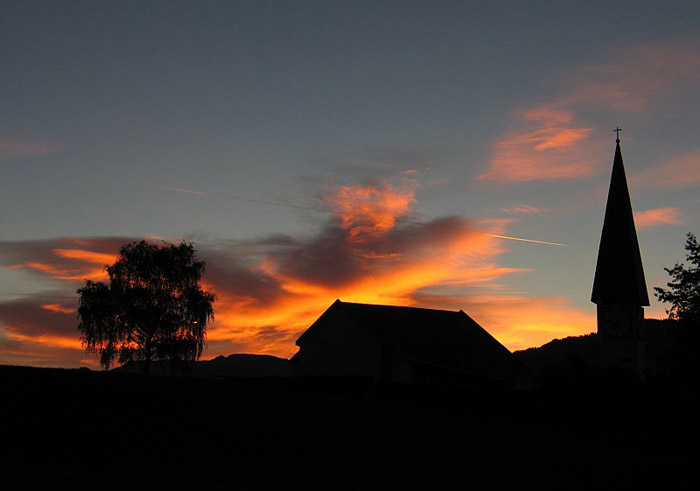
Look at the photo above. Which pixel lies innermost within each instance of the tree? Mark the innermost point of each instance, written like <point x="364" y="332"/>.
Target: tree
<point x="684" y="290"/>
<point x="152" y="308"/>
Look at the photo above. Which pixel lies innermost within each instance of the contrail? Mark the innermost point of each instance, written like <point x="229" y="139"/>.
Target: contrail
<point x="507" y="237"/>
<point x="526" y="240"/>
<point x="177" y="190"/>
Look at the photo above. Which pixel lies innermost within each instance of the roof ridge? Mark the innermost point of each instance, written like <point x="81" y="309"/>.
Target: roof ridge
<point x="398" y="307"/>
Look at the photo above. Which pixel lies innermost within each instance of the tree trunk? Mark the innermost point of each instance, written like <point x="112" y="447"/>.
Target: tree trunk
<point x="147" y="362"/>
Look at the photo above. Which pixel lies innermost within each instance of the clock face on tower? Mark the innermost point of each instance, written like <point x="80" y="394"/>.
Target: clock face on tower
<point x="615" y="323"/>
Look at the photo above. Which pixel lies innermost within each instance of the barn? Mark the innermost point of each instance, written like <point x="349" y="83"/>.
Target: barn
<point x="405" y="345"/>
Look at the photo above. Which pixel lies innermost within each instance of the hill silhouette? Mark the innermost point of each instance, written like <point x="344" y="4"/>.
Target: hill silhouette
<point x="563" y="357"/>
<point x="671" y="356"/>
<point x="236" y="365"/>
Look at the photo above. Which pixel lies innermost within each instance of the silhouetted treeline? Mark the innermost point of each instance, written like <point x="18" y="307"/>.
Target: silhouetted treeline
<point x="671" y="356"/>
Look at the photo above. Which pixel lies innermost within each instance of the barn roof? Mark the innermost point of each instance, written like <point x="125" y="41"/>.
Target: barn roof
<point x="447" y="339"/>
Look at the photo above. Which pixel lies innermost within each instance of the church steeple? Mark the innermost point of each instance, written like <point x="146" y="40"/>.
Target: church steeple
<point x="619" y="276"/>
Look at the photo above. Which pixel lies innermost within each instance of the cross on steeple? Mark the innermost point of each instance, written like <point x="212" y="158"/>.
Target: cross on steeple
<point x="617" y="133"/>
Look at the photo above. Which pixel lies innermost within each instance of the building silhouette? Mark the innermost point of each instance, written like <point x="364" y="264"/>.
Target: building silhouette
<point x="405" y="345"/>
<point x="619" y="287"/>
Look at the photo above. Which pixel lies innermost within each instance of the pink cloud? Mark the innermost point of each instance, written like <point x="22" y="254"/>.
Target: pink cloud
<point x="657" y="217"/>
<point x="636" y="79"/>
<point x="525" y="209"/>
<point x="547" y="146"/>
<point x="551" y="141"/>
<point x="680" y="172"/>
<point x="12" y="148"/>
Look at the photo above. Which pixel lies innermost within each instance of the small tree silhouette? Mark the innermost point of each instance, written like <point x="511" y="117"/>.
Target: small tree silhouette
<point x="684" y="291"/>
<point x="152" y="309"/>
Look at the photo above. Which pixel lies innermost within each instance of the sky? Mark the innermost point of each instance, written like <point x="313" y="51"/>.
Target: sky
<point x="375" y="152"/>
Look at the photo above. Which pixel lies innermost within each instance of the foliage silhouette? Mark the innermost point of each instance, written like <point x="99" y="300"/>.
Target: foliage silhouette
<point x="684" y="291"/>
<point x="152" y="309"/>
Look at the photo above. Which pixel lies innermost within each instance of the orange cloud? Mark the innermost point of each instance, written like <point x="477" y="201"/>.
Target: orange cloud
<point x="64" y="273"/>
<point x="46" y="339"/>
<point x="371" y="209"/>
<point x="658" y="216"/>
<point x="465" y="258"/>
<point x="71" y="264"/>
<point x="36" y="332"/>
<point x="45" y="351"/>
<point x="87" y="256"/>
<point x="366" y="253"/>
<point x="58" y="308"/>
<point x="27" y="353"/>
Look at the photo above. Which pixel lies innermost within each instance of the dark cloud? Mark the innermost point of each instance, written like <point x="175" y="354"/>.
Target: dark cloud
<point x="328" y="259"/>
<point x="369" y="163"/>
<point x="398" y="157"/>
<point x="28" y="317"/>
<point x="276" y="240"/>
<point x="412" y="237"/>
<point x="230" y="273"/>
<point x="274" y="333"/>
<point x="333" y="259"/>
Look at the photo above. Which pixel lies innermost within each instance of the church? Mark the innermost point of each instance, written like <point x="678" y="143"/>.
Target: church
<point x="619" y="287"/>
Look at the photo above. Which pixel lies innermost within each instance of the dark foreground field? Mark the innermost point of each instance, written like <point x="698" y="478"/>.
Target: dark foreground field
<point x="76" y="429"/>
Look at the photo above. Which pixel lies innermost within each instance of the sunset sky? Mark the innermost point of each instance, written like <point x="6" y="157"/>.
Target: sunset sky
<point x="378" y="152"/>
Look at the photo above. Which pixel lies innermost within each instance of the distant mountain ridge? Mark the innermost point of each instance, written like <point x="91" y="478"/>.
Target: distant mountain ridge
<point x="237" y="365"/>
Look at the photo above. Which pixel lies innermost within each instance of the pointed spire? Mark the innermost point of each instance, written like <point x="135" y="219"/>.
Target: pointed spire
<point x="619" y="275"/>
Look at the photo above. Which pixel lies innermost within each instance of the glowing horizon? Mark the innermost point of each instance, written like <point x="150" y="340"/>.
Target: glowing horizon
<point x="391" y="261"/>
